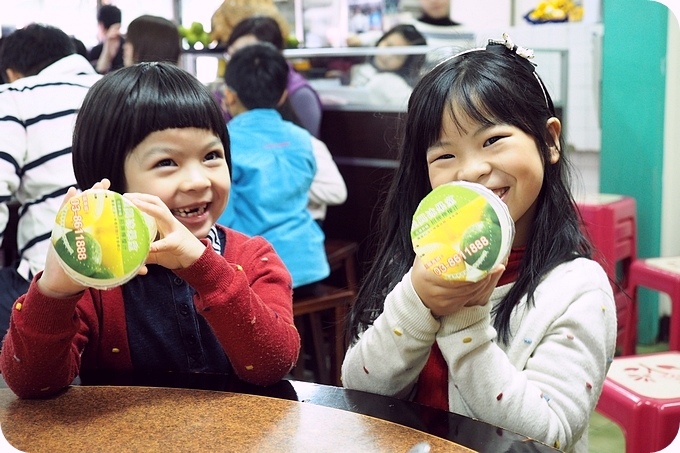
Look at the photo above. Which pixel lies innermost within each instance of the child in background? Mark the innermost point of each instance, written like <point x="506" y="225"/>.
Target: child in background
<point x="528" y="347"/>
<point x="273" y="165"/>
<point x="209" y="299"/>
<point x="389" y="79"/>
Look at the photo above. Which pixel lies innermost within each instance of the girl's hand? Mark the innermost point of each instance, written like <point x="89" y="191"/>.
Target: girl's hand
<point x="445" y="297"/>
<point x="55" y="282"/>
<point x="177" y="247"/>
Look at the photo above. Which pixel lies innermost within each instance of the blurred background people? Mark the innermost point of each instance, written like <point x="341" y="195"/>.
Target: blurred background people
<point x="151" y="38"/>
<point x="302" y="98"/>
<point x="389" y="79"/>
<point x="436" y="12"/>
<point x="47" y="82"/>
<point x="108" y="54"/>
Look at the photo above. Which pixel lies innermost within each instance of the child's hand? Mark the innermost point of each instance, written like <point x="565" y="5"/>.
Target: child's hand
<point x="177" y="247"/>
<point x="444" y="297"/>
<point x="55" y="282"/>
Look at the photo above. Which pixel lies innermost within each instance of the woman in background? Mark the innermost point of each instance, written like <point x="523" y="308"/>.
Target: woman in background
<point x="389" y="79"/>
<point x="151" y="38"/>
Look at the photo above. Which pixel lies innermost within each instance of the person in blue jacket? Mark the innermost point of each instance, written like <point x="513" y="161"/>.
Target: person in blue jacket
<point x="273" y="165"/>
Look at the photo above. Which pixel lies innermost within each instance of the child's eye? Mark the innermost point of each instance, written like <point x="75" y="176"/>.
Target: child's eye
<point x="444" y="156"/>
<point x="212" y="155"/>
<point x="492" y="140"/>
<point x="165" y="163"/>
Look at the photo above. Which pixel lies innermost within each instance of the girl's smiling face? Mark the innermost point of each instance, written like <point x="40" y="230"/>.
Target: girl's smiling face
<point x="187" y="169"/>
<point x="501" y="157"/>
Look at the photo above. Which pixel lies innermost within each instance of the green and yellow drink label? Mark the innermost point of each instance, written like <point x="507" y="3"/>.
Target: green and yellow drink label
<point x="101" y="238"/>
<point x="461" y="231"/>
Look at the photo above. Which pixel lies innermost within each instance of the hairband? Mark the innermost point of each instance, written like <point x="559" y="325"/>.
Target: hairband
<point x="499" y="47"/>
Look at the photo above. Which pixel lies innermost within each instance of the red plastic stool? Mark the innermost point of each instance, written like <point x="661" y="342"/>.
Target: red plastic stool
<point x="610" y="222"/>
<point x="663" y="275"/>
<point x="642" y="395"/>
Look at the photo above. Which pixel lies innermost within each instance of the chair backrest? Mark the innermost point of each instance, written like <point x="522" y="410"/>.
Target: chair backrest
<point x="342" y="256"/>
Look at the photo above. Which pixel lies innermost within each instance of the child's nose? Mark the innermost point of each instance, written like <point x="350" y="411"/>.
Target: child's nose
<point x="474" y="169"/>
<point x="196" y="179"/>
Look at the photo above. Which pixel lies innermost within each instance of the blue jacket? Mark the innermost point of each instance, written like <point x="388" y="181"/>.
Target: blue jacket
<point x="272" y="169"/>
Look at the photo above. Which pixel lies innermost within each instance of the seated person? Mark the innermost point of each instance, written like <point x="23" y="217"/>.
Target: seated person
<point x="273" y="165"/>
<point x="389" y="79"/>
<point x="302" y="99"/>
<point x="302" y="106"/>
<point x="46" y="85"/>
<point x="151" y="38"/>
<point x="108" y="54"/>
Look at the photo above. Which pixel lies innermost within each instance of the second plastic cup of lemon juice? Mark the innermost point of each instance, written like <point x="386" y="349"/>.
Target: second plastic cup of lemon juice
<point x="101" y="238"/>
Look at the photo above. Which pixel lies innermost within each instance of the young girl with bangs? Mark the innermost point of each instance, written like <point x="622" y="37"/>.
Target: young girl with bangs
<point x="528" y="347"/>
<point x="209" y="299"/>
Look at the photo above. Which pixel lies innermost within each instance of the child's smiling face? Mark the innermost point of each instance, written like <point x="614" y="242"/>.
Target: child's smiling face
<point x="501" y="157"/>
<point x="187" y="169"/>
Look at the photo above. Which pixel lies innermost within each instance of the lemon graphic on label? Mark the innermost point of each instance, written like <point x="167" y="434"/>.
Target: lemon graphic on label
<point x="80" y="251"/>
<point x="481" y="244"/>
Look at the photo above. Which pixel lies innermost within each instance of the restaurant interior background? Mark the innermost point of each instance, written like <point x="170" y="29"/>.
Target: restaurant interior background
<point x="617" y="83"/>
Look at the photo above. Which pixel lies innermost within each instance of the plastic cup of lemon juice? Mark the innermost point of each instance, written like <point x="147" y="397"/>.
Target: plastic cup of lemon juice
<point x="102" y="238"/>
<point x="461" y="231"/>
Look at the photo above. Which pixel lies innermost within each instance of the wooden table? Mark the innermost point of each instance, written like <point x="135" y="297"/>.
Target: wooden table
<point x="190" y="412"/>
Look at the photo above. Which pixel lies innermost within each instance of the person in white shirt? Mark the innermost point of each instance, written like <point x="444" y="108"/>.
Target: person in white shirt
<point x="47" y="84"/>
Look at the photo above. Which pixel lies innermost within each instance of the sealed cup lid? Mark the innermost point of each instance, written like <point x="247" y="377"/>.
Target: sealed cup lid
<point x="461" y="230"/>
<point x="101" y="238"/>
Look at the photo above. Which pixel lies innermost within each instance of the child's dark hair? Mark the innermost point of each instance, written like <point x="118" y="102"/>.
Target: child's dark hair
<point x="264" y="28"/>
<point x="258" y="74"/>
<point x="492" y="86"/>
<point x="31" y="49"/>
<point x="127" y="105"/>
<point x="410" y="70"/>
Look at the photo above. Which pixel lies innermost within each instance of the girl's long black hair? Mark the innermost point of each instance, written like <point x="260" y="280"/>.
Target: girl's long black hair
<point x="492" y="86"/>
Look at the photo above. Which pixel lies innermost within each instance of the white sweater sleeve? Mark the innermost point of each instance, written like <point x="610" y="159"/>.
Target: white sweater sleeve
<point x="389" y="355"/>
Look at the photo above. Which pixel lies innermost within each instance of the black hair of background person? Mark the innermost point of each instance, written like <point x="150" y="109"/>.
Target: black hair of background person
<point x="49" y="44"/>
<point x="410" y="69"/>
<point x="109" y="15"/>
<point x="79" y="46"/>
<point x="258" y="74"/>
<point x="154" y="38"/>
<point x="264" y="28"/>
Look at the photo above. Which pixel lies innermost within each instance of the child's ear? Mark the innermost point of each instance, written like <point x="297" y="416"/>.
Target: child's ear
<point x="554" y="129"/>
<point x="283" y="98"/>
<point x="230" y="97"/>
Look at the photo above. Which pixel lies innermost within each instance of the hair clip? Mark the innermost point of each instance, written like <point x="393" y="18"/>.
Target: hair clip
<point x="526" y="54"/>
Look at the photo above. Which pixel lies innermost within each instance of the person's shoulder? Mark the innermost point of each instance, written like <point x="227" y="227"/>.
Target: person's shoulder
<point x="587" y="272"/>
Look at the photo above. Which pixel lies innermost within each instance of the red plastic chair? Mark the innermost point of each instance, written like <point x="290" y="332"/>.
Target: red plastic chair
<point x="610" y="223"/>
<point x="642" y="395"/>
<point x="663" y="275"/>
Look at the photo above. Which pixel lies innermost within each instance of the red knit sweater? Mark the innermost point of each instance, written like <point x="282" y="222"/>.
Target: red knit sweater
<point x="433" y="382"/>
<point x="245" y="296"/>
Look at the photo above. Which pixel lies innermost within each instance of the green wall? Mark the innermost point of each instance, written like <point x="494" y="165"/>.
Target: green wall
<point x="633" y="98"/>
